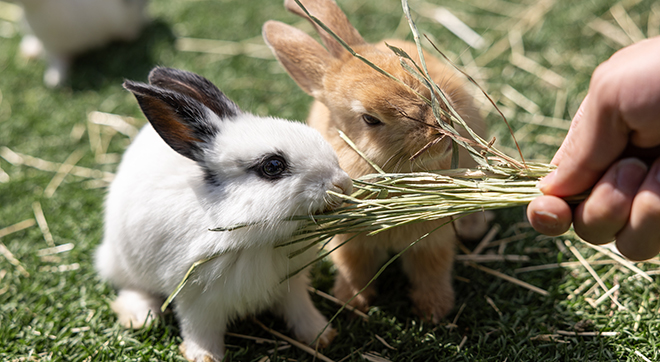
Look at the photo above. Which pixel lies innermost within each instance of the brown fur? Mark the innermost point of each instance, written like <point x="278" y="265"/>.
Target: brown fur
<point x="344" y="89"/>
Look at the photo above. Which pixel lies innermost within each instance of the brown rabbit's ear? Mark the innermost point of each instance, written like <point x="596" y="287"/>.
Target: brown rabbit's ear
<point x="303" y="57"/>
<point x="329" y="13"/>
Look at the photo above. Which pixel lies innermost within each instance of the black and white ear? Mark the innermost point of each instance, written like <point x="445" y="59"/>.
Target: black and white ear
<point x="183" y="122"/>
<point x="196" y="87"/>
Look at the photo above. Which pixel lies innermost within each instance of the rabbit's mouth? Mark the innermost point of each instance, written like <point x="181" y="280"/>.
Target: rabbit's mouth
<point x="430" y="155"/>
<point x="331" y="203"/>
<point x="332" y="200"/>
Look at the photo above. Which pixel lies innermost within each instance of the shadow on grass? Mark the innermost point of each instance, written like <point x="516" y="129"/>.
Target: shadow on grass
<point x="490" y="315"/>
<point x="122" y="60"/>
<point x="517" y="333"/>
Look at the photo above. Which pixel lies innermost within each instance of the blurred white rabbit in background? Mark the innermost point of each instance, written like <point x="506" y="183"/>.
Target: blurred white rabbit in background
<point x="66" y="28"/>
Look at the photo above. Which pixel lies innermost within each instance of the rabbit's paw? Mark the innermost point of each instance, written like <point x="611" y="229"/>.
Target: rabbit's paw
<point x="323" y="341"/>
<point x="308" y="325"/>
<point x="344" y="291"/>
<point x="194" y="353"/>
<point x="135" y="309"/>
<point x="31" y="47"/>
<point x="474" y="226"/>
<point x="327" y="337"/>
<point x="432" y="304"/>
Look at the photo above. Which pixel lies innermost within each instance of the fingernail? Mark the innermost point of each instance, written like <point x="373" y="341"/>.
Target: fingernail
<point x="546" y="222"/>
<point x="546" y="180"/>
<point x="630" y="174"/>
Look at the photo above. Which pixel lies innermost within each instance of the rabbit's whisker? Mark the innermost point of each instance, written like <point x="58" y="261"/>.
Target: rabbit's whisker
<point x="433" y="142"/>
<point x="396" y="160"/>
<point x="390" y="160"/>
<point x="403" y="158"/>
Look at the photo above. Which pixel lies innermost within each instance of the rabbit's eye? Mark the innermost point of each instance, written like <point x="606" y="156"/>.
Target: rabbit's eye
<point x="272" y="167"/>
<point x="371" y="120"/>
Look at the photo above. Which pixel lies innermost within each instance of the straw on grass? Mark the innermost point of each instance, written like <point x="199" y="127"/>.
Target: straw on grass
<point x="591" y="271"/>
<point x="43" y="224"/>
<point x="257" y="340"/>
<point x="18" y="159"/>
<point x="16" y="227"/>
<point x="63" y="171"/>
<point x="640" y="355"/>
<point x="626" y="23"/>
<point x="374" y="357"/>
<point x="492" y="304"/>
<point x="488" y="258"/>
<point x="301" y="346"/>
<point x="621" y="261"/>
<point x="381" y="340"/>
<point x="454" y="323"/>
<point x="223" y="47"/>
<point x="511" y="279"/>
<point x="337" y="301"/>
<point x="12" y="260"/>
<point x="485" y="241"/>
<point x="10" y="12"/>
<point x="121" y="124"/>
<point x="4" y="176"/>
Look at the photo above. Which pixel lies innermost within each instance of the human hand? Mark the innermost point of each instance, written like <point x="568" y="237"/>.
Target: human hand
<point x="618" y="120"/>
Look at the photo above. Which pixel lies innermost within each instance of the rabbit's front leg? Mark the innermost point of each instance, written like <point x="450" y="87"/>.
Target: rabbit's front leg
<point x="302" y="317"/>
<point x="357" y="263"/>
<point x="57" y="71"/>
<point x="428" y="266"/>
<point x="203" y="325"/>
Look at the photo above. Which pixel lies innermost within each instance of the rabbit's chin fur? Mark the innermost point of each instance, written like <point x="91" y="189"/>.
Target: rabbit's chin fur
<point x="66" y="28"/>
<point x="161" y="205"/>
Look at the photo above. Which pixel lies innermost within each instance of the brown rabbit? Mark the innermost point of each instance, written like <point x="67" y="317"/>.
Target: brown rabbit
<point x="390" y="124"/>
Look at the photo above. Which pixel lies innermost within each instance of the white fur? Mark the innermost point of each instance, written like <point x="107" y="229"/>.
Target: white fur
<point x="358" y="107"/>
<point x="159" y="209"/>
<point x="69" y="27"/>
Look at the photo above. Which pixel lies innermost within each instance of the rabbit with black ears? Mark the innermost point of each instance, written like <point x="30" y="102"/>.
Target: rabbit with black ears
<point x="395" y="129"/>
<point x="201" y="163"/>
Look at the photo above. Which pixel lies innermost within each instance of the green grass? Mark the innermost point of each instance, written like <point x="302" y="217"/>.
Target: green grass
<point x="63" y="315"/>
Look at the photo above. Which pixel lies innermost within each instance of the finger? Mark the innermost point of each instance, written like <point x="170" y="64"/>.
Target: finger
<point x="640" y="239"/>
<point x="559" y="155"/>
<point x="639" y="93"/>
<point x="591" y="146"/>
<point x="605" y="212"/>
<point x="549" y="215"/>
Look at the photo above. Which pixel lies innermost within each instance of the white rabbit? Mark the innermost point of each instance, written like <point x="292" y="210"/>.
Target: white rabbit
<point x="204" y="163"/>
<point x="66" y="28"/>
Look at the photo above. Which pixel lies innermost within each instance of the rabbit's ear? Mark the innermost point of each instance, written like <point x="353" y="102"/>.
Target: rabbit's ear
<point x="329" y="13"/>
<point x="303" y="57"/>
<point x="196" y="87"/>
<point x="184" y="123"/>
